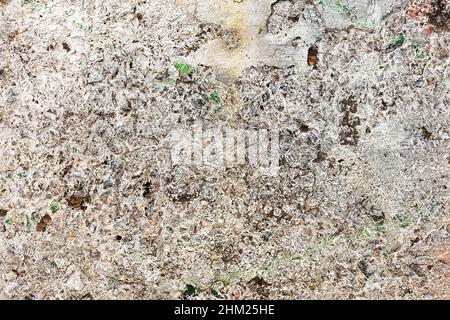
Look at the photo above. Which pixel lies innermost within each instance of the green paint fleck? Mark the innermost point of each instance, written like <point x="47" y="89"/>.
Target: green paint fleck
<point x="399" y="40"/>
<point x="183" y="69"/>
<point x="214" y="97"/>
<point x="54" y="205"/>
<point x="190" y="291"/>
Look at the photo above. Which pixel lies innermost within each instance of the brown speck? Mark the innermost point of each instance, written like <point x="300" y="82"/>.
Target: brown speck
<point x="65" y="46"/>
<point x="349" y="134"/>
<point x="146" y="187"/>
<point x="377" y="216"/>
<point x="352" y="104"/>
<point x="313" y="58"/>
<point x="78" y="202"/>
<point x="65" y="171"/>
<point x="150" y="188"/>
<point x="260" y="286"/>
<point x="304" y="128"/>
<point x="13" y="34"/>
<point x="275" y="77"/>
<point x="414" y="241"/>
<point x="293" y="19"/>
<point x="42" y="225"/>
<point x="182" y="197"/>
<point x="3" y="212"/>
<point x="442" y="53"/>
<point x="259" y="282"/>
<point x="425" y="133"/>
<point x="440" y="17"/>
<point x="87" y="296"/>
<point x="321" y="156"/>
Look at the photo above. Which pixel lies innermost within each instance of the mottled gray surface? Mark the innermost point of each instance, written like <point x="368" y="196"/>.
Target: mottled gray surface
<point x="88" y="97"/>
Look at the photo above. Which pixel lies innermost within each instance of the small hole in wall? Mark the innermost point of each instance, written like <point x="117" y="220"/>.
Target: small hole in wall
<point x="313" y="57"/>
<point x="118" y="238"/>
<point x="304" y="128"/>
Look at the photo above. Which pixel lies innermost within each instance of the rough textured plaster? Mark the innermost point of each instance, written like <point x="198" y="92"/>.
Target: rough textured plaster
<point x="93" y="207"/>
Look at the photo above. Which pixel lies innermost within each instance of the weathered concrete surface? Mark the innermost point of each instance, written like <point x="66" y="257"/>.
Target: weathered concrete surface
<point x="91" y="205"/>
<point x="247" y="22"/>
<point x="252" y="43"/>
